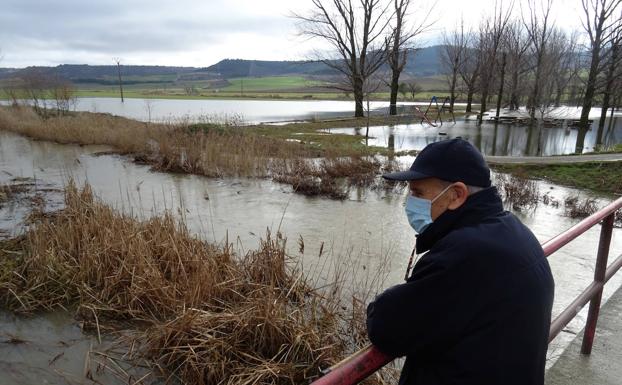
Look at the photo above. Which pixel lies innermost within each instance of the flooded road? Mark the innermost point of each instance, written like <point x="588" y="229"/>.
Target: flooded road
<point x="368" y="232"/>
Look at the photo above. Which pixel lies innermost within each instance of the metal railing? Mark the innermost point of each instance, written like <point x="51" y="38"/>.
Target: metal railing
<point x="365" y="362"/>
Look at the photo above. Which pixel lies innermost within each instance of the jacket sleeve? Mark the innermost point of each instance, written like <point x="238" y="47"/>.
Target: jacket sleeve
<point x="428" y="312"/>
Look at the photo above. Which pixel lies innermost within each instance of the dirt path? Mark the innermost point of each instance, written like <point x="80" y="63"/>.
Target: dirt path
<point x="554" y="159"/>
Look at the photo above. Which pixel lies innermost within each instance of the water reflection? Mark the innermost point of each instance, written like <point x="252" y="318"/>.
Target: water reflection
<point x="490" y="138"/>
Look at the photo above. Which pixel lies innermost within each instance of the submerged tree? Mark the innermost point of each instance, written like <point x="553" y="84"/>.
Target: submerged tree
<point x="453" y="54"/>
<point x="398" y="45"/>
<point x="470" y="69"/>
<point x="601" y="17"/>
<point x="516" y="45"/>
<point x="539" y="30"/>
<point x="613" y="73"/>
<point x="355" y="33"/>
<point x="491" y="35"/>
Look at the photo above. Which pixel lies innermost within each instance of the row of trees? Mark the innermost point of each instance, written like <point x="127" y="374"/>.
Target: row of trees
<point x="517" y="56"/>
<point x="364" y="35"/>
<point x="528" y="61"/>
<point x="46" y="94"/>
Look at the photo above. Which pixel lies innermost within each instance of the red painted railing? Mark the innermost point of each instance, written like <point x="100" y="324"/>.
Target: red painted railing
<point x="365" y="362"/>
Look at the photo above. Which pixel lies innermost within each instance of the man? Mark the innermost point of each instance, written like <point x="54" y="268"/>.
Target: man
<point x="477" y="307"/>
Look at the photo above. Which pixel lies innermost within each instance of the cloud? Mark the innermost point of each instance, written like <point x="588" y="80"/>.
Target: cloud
<point x="37" y="32"/>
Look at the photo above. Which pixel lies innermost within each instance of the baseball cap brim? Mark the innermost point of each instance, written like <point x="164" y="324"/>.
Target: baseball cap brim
<point x="405" y="175"/>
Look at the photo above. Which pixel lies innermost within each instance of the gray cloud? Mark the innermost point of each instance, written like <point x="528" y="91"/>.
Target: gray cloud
<point x="108" y="28"/>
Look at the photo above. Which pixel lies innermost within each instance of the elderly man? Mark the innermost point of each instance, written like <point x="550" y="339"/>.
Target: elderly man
<point x="477" y="307"/>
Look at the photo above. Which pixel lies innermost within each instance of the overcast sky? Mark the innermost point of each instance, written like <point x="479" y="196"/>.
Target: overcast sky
<point x="184" y="32"/>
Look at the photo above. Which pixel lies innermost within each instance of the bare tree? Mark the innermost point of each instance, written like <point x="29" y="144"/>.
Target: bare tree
<point x="35" y="88"/>
<point x="598" y="25"/>
<point x="398" y="44"/>
<point x="453" y="53"/>
<point x="63" y="94"/>
<point x="118" y="61"/>
<point x="539" y="29"/>
<point x="471" y="68"/>
<point x="613" y="73"/>
<point x="355" y="33"/>
<point x="569" y="63"/>
<point x="517" y="45"/>
<point x="413" y="88"/>
<point x="490" y="38"/>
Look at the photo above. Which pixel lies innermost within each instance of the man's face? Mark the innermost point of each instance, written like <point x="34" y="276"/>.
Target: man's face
<point x="428" y="189"/>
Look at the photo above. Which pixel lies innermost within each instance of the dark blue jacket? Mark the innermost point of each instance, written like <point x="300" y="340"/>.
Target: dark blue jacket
<point x="477" y="307"/>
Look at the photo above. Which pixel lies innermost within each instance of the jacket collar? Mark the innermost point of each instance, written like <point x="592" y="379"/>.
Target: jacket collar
<point x="476" y="208"/>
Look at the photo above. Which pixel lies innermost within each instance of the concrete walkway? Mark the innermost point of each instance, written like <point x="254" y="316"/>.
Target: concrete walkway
<point x="604" y="365"/>
<point x="554" y="159"/>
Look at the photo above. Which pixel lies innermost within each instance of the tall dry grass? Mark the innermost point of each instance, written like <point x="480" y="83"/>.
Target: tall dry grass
<point x="201" y="314"/>
<point x="222" y="151"/>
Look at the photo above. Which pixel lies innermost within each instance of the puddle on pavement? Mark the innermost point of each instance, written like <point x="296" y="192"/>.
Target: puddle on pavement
<point x="369" y="230"/>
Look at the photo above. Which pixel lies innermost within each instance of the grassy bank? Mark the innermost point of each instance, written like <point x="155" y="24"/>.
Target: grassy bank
<point x="603" y="177"/>
<point x="218" y="147"/>
<point x="198" y="313"/>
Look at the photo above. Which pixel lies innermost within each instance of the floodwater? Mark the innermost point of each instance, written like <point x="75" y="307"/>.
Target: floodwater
<point x="492" y="139"/>
<point x="251" y="111"/>
<point x="368" y="231"/>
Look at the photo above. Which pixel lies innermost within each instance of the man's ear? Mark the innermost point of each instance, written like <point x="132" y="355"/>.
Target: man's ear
<point x="459" y="194"/>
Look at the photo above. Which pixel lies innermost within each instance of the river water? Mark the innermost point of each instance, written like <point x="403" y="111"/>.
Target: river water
<point x="492" y="139"/>
<point x="368" y="232"/>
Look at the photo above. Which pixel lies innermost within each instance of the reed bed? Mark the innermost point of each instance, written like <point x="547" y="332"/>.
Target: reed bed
<point x="212" y="149"/>
<point x="200" y="314"/>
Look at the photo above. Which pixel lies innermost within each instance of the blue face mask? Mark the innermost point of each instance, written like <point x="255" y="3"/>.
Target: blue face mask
<point x="419" y="211"/>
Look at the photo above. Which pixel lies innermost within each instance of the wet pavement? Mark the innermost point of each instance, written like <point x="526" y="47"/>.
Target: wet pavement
<point x="604" y="365"/>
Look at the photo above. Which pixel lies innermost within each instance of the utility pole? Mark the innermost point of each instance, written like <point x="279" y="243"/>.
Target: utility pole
<point x="118" y="61"/>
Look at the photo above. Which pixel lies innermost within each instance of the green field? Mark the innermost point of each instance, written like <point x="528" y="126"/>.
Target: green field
<point x="276" y="83"/>
<point x="270" y="87"/>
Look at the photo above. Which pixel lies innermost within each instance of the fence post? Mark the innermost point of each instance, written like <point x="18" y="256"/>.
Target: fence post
<point x="599" y="276"/>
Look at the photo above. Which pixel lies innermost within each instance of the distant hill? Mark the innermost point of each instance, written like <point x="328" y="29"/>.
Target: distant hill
<point x="425" y="62"/>
<point x="238" y="68"/>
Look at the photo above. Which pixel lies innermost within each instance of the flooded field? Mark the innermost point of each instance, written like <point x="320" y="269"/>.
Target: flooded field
<point x="491" y="139"/>
<point x="368" y="231"/>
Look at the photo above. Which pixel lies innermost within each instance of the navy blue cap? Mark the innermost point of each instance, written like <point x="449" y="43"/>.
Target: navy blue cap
<point x="454" y="160"/>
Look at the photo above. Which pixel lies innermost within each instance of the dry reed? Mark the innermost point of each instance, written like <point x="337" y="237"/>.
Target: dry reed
<point x="205" y="149"/>
<point x="202" y="314"/>
<point x="579" y="208"/>
<point x="518" y="191"/>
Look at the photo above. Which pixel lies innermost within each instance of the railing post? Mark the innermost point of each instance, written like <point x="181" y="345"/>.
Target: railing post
<point x="599" y="276"/>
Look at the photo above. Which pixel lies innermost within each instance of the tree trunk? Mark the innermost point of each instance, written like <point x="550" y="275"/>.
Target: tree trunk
<point x="469" y="107"/>
<point x="500" y="97"/>
<point x="395" y="85"/>
<point x="590" y="89"/>
<point x="482" y="108"/>
<point x="452" y="90"/>
<point x="611" y="72"/>
<point x="514" y="94"/>
<point x="359" y="97"/>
